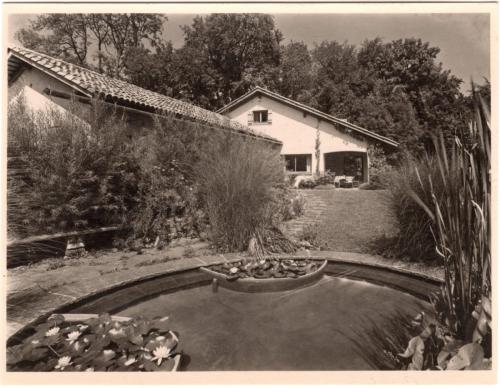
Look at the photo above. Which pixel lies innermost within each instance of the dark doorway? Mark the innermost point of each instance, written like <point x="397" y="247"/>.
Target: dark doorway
<point x="353" y="164"/>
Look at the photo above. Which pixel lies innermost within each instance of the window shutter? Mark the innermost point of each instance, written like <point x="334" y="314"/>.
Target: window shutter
<point x="250" y="118"/>
<point x="269" y="117"/>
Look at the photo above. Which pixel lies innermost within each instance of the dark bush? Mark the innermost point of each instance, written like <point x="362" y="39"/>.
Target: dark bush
<point x="308" y="184"/>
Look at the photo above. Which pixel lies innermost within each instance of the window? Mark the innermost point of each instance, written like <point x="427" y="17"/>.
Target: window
<point x="260" y="116"/>
<point x="298" y="163"/>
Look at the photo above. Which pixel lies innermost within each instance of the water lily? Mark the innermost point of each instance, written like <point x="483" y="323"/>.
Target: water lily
<point x="262" y="262"/>
<point x="73" y="336"/>
<point x="89" y="369"/>
<point x="160" y="353"/>
<point x="234" y="270"/>
<point x="116" y="332"/>
<point x="63" y="362"/>
<point x="35" y="342"/>
<point x="52" y="331"/>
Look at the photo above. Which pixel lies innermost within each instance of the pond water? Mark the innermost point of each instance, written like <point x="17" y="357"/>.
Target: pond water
<point x="335" y="324"/>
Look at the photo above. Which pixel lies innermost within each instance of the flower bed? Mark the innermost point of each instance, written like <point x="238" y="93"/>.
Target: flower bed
<point x="97" y="343"/>
<point x="267" y="274"/>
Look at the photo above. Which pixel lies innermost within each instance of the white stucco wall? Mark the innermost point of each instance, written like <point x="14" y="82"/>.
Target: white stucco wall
<point x="297" y="130"/>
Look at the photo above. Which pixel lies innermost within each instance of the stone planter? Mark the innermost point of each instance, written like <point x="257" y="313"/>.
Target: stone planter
<point x="265" y="285"/>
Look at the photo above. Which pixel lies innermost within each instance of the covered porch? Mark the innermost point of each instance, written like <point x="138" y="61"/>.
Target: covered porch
<point x="348" y="163"/>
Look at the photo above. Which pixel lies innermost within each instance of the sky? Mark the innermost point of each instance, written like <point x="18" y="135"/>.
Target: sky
<point x="464" y="39"/>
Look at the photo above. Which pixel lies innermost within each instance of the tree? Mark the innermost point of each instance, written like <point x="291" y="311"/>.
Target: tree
<point x="71" y="36"/>
<point x="410" y="67"/>
<point x="60" y="35"/>
<point x="295" y="70"/>
<point x="233" y="50"/>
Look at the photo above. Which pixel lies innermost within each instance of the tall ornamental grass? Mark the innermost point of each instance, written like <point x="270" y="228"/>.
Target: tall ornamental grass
<point x="239" y="180"/>
<point x="461" y="220"/>
<point x="414" y="239"/>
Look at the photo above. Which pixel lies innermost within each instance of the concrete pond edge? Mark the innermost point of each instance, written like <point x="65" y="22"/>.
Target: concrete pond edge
<point x="59" y="309"/>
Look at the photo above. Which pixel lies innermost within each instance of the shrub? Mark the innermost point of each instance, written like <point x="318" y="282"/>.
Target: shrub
<point x="167" y="189"/>
<point x="239" y="180"/>
<point x="380" y="167"/>
<point x="77" y="174"/>
<point x="310" y="233"/>
<point x="308" y="184"/>
<point x="327" y="179"/>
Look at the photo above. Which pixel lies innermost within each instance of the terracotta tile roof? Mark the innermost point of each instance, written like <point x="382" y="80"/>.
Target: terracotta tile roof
<point x="92" y="83"/>
<point x="332" y="119"/>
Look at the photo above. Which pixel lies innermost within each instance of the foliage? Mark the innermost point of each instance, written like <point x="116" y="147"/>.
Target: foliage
<point x="379" y="168"/>
<point x="224" y="55"/>
<point x="96" y="344"/>
<point x="168" y="189"/>
<point x="289" y="204"/>
<point x="77" y="175"/>
<point x="435" y="349"/>
<point x="238" y="180"/>
<point x="294" y="70"/>
<point x="461" y="224"/>
<point x="397" y="88"/>
<point x="308" y="184"/>
<point x="71" y="36"/>
<point x="311" y="234"/>
<point x="267" y="268"/>
<point x="414" y="239"/>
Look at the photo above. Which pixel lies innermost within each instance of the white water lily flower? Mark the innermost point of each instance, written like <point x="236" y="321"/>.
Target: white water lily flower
<point x="160" y="353"/>
<point x="63" y="362"/>
<point x="160" y="338"/>
<point x="82" y="327"/>
<point x="114" y="331"/>
<point x="89" y="369"/>
<point x="35" y="342"/>
<point x="73" y="336"/>
<point x="52" y="331"/>
<point x="262" y="262"/>
<point x="234" y="270"/>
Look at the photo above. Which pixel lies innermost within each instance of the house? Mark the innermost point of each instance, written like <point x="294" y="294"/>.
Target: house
<point x="44" y="81"/>
<point x="313" y="141"/>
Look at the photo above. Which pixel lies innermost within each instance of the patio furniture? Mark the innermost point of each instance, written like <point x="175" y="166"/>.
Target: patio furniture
<point x="338" y="179"/>
<point x="347" y="182"/>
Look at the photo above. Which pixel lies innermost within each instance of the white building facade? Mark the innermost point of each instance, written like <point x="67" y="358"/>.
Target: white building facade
<point x="313" y="142"/>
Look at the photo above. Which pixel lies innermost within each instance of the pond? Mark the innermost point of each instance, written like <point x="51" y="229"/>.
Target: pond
<point x="333" y="324"/>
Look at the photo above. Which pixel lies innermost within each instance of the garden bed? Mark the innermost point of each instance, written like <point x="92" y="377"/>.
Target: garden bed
<point x="267" y="275"/>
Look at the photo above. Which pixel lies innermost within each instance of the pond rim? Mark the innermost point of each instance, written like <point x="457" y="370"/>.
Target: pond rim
<point x="414" y="283"/>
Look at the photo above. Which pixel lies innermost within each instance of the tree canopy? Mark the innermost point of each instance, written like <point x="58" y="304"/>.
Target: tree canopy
<point x="397" y="89"/>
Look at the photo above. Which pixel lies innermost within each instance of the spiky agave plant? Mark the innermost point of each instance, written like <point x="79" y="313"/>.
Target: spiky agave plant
<point x="461" y="222"/>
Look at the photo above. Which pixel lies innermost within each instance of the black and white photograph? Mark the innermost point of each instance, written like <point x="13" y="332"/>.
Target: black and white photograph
<point x="250" y="188"/>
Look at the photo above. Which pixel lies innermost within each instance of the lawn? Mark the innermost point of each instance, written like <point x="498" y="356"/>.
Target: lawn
<point x="351" y="220"/>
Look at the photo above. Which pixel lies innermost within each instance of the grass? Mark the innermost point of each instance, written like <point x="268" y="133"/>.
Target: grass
<point x="353" y="220"/>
